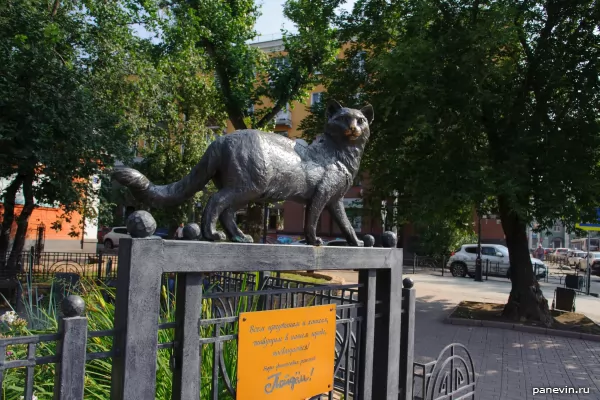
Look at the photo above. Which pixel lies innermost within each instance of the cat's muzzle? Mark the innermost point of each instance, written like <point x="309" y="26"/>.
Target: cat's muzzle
<point x="352" y="134"/>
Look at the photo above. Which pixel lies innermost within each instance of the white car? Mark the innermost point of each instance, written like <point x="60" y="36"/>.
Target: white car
<point x="111" y="239"/>
<point x="582" y="265"/>
<point x="576" y="258"/>
<point x="462" y="262"/>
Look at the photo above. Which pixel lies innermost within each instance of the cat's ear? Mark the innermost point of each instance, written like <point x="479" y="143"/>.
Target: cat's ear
<point x="332" y="108"/>
<point x="367" y="111"/>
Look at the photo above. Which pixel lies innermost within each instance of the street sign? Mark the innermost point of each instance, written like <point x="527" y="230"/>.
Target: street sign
<point x="591" y="226"/>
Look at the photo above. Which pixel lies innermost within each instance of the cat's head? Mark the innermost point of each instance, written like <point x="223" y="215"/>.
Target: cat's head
<point x="348" y="125"/>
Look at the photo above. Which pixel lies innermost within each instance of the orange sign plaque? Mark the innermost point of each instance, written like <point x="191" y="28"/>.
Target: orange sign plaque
<point x="286" y="354"/>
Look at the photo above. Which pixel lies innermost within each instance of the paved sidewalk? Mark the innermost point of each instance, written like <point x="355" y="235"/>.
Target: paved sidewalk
<point x="509" y="364"/>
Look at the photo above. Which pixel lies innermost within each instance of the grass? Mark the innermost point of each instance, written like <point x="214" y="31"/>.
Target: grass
<point x="317" y="280"/>
<point x="566" y="321"/>
<point x="42" y="316"/>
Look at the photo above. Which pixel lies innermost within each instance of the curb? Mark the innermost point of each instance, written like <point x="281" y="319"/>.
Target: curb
<point x="520" y="328"/>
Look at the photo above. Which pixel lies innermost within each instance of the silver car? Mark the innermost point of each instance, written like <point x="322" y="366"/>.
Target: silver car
<point x="494" y="257"/>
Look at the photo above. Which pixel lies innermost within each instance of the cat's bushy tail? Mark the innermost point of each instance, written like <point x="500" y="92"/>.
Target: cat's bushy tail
<point x="174" y="193"/>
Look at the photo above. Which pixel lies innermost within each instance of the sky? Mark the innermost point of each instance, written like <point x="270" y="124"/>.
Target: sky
<point x="269" y="24"/>
<point x="272" y="20"/>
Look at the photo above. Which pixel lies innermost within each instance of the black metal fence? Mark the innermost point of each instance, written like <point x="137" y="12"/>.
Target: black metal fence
<point x="43" y="266"/>
<point x="372" y="361"/>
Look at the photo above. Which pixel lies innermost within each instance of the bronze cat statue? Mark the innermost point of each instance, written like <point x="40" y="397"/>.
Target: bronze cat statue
<point x="250" y="165"/>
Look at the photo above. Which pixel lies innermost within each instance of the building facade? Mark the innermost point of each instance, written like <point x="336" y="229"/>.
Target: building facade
<point x="553" y="238"/>
<point x="48" y="226"/>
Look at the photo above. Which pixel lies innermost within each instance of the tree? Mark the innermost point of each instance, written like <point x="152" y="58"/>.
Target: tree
<point x="244" y="75"/>
<point x="484" y="106"/>
<point x="56" y="131"/>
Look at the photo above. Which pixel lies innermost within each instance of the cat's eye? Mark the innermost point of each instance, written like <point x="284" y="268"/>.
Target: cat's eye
<point x="362" y="121"/>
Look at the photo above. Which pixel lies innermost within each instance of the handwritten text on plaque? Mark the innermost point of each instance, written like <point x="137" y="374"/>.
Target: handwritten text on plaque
<point x="286" y="354"/>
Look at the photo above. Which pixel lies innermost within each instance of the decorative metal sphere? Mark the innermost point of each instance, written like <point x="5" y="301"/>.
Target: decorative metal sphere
<point x="73" y="306"/>
<point x="141" y="224"/>
<point x="369" y="240"/>
<point x="389" y="239"/>
<point x="191" y="231"/>
<point x="407" y="283"/>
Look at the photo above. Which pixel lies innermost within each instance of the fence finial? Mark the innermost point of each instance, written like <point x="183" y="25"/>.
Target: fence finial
<point x="192" y="231"/>
<point x="141" y="224"/>
<point x="407" y="283"/>
<point x="369" y="240"/>
<point x="389" y="239"/>
<point x="73" y="306"/>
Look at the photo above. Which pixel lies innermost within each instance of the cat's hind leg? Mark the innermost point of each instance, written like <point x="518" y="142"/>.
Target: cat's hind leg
<point x="217" y="204"/>
<point x="227" y="219"/>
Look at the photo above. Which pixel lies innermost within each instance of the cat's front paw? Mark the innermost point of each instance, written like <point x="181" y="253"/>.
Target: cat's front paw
<point x="216" y="236"/>
<point x="314" y="242"/>
<point x="360" y="243"/>
<point x="243" y="239"/>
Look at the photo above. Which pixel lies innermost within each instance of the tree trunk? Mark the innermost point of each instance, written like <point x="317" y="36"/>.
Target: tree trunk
<point x="8" y="218"/>
<point x="526" y="300"/>
<point x="22" y="225"/>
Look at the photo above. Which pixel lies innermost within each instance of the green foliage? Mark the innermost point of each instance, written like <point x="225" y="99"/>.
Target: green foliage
<point x="478" y="103"/>
<point x="245" y="75"/>
<point x="100" y="314"/>
<point x="440" y="238"/>
<point x="54" y="127"/>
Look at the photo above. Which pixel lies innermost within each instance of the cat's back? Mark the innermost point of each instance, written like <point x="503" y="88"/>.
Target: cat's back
<point x="252" y="141"/>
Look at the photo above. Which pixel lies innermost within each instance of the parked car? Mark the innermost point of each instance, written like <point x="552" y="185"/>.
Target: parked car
<point x="560" y="254"/>
<point x="111" y="239"/>
<point x="594" y="262"/>
<point x="595" y="265"/>
<point x="462" y="262"/>
<point x="162" y="233"/>
<point x="575" y="257"/>
<point x="101" y="232"/>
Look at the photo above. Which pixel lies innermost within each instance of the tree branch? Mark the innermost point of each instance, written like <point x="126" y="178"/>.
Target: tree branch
<point x="235" y="115"/>
<point x="280" y="104"/>
<point x="55" y="7"/>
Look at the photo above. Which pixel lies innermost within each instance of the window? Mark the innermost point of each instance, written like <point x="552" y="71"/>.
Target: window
<point x="471" y="250"/>
<point x="121" y="231"/>
<point x="316" y="98"/>
<point x="557" y="227"/>
<point x="354" y="212"/>
<point x="488" y="251"/>
<point x="251" y="110"/>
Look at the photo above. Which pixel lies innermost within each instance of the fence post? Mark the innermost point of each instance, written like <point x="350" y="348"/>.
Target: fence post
<point x="186" y="361"/>
<point x="99" y="265"/>
<point x="487" y="269"/>
<point x="70" y="369"/>
<point x="443" y="264"/>
<point x="137" y="308"/>
<point x="366" y="295"/>
<point x="263" y="278"/>
<point x="414" y="262"/>
<point x="387" y="353"/>
<point x="407" y="339"/>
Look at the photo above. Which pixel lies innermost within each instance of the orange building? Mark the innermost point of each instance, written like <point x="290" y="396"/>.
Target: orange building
<point x="48" y="226"/>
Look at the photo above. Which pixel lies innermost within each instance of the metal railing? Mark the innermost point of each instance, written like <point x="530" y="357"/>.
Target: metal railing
<point x="43" y="266"/>
<point x="371" y="360"/>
